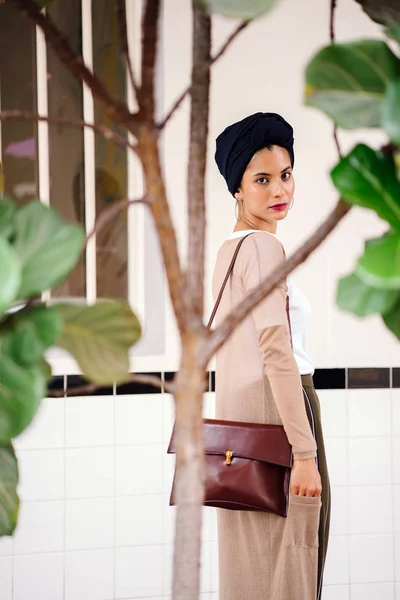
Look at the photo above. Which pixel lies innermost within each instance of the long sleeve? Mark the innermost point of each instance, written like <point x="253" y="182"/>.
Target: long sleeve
<point x="264" y="253"/>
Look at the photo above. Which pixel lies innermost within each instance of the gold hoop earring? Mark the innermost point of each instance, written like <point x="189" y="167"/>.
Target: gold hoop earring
<point x="291" y="204"/>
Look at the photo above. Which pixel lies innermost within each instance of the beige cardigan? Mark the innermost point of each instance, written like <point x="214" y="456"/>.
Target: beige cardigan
<point x="260" y="348"/>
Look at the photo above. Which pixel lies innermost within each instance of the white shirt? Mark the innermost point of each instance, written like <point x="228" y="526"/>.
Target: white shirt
<point x="299" y="312"/>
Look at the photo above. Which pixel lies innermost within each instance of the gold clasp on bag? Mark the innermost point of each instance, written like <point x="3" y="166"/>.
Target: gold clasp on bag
<point x="228" y="455"/>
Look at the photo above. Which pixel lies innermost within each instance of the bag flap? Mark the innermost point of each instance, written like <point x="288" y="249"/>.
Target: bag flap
<point x="256" y="441"/>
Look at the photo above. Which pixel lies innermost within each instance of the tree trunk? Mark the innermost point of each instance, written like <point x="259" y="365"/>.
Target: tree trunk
<point x="189" y="472"/>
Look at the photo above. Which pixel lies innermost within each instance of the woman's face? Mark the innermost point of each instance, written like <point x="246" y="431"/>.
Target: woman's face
<point x="267" y="189"/>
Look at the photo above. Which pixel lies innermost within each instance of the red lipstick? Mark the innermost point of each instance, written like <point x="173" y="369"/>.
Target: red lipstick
<point x="279" y="206"/>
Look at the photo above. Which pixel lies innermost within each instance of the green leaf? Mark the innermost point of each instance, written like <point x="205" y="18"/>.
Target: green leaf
<point x="347" y="81"/>
<point x="355" y="296"/>
<point x="240" y="9"/>
<point x="46" y="369"/>
<point x="368" y="178"/>
<point x="21" y="390"/>
<point x="381" y="11"/>
<point x="9" y="502"/>
<point x="392" y="319"/>
<point x="394" y="31"/>
<point x="380" y="264"/>
<point x="7" y="217"/>
<point x="99" y="338"/>
<point x="33" y="331"/>
<point x="47" y="247"/>
<point x="390" y="115"/>
<point x="10" y="275"/>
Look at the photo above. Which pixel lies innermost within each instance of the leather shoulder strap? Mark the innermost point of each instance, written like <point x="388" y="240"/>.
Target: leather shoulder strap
<point x="229" y="271"/>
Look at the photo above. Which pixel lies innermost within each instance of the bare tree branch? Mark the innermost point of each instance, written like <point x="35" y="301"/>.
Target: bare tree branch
<point x="149" y="154"/>
<point x="156" y="196"/>
<point x="109" y="213"/>
<point x="229" y="40"/>
<point x="221" y="333"/>
<point x="333" y="41"/>
<point x="123" y="37"/>
<point x="117" y="109"/>
<point x="332" y="21"/>
<point x="336" y="140"/>
<point x="174" y="108"/>
<point x="200" y="98"/>
<point x="91" y="388"/>
<point x="106" y="132"/>
<point x="222" y="50"/>
<point x="146" y="96"/>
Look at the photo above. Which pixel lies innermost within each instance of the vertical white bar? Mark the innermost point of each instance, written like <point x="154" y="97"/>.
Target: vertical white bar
<point x="43" y="128"/>
<point x="136" y="214"/>
<point x="89" y="152"/>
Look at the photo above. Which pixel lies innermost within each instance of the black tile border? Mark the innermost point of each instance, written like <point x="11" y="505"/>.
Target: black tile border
<point x="324" y="379"/>
<point x="368" y="378"/>
<point x="169" y="376"/>
<point x="134" y="387"/>
<point x="57" y="383"/>
<point x="330" y="379"/>
<point x="212" y="381"/>
<point x="77" y="381"/>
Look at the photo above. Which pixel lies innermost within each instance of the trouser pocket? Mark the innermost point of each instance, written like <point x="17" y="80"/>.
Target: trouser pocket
<point x="301" y="528"/>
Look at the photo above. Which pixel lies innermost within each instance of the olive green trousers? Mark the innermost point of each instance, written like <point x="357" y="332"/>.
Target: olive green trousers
<point x="313" y="409"/>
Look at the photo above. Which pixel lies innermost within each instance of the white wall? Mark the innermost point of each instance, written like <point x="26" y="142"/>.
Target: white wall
<point x="95" y="480"/>
<point x="263" y="70"/>
<point x="95" y="522"/>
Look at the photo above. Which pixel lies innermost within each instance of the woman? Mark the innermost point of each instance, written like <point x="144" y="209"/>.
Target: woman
<point x="261" y="377"/>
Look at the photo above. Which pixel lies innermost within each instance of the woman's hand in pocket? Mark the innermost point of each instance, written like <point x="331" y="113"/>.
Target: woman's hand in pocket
<point x="305" y="479"/>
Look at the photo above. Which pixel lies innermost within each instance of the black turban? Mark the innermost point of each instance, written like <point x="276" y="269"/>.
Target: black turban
<point x="238" y="143"/>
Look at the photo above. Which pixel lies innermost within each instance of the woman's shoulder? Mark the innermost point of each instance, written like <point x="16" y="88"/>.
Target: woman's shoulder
<point x="257" y="246"/>
<point x="262" y="244"/>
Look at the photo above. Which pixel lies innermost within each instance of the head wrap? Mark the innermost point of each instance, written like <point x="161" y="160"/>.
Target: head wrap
<point x="238" y="143"/>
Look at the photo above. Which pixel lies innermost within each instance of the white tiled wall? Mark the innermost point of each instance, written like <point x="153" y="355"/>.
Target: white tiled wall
<point x="95" y="522"/>
<point x="365" y="502"/>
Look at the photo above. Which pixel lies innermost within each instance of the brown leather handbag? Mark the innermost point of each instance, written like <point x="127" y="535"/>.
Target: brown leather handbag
<point x="247" y="465"/>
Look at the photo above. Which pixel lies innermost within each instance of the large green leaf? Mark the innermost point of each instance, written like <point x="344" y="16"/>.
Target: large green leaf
<point x="33" y="331"/>
<point x="355" y="296"/>
<point x="394" y="31"/>
<point x="9" y="502"/>
<point x="384" y="12"/>
<point x="392" y="320"/>
<point x="391" y="111"/>
<point x="48" y="248"/>
<point x="7" y="214"/>
<point x="240" y="9"/>
<point x="368" y="178"/>
<point x="10" y="275"/>
<point x="348" y="81"/>
<point x="380" y="264"/>
<point x="21" y="390"/>
<point x="99" y="338"/>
